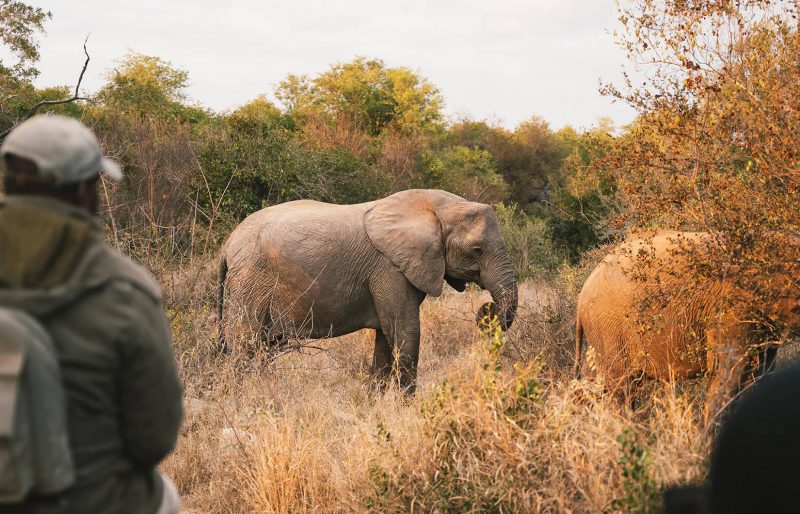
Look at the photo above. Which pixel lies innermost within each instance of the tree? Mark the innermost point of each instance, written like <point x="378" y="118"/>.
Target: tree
<point x="528" y="158"/>
<point x="583" y="196"/>
<point x="716" y="146"/>
<point x="466" y="172"/>
<point x="257" y="112"/>
<point x="19" y="25"/>
<point x="248" y="160"/>
<point x="19" y="99"/>
<point x="367" y="92"/>
<point x="148" y="85"/>
<point x="543" y="149"/>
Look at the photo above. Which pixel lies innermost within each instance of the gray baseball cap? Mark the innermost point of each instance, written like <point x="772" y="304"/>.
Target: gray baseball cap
<point x="61" y="147"/>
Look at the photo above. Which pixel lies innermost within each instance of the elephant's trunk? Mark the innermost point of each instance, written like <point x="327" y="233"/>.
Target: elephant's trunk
<point x="498" y="278"/>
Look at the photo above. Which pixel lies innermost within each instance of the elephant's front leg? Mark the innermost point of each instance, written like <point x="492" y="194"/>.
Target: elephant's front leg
<point x="403" y="335"/>
<point x="398" y="312"/>
<point x="382" y="360"/>
<point x="407" y="354"/>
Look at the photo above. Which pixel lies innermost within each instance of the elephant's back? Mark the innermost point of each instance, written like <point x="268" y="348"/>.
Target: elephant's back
<point x="646" y="247"/>
<point x="607" y="291"/>
<point x="632" y="272"/>
<point x="626" y="313"/>
<point x="286" y="220"/>
<point x="282" y="211"/>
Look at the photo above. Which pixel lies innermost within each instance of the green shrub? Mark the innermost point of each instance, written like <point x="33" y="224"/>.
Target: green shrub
<point x="529" y="243"/>
<point x="641" y="490"/>
<point x="467" y="172"/>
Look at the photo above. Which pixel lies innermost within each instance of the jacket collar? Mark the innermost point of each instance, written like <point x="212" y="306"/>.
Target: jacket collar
<point x="50" y="204"/>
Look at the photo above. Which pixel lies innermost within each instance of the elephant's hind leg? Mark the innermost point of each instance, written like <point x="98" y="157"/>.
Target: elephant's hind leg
<point x="382" y="360"/>
<point x="728" y="363"/>
<point x="246" y="327"/>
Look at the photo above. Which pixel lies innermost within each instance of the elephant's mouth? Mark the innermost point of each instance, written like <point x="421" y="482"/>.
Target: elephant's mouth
<point x="459" y="278"/>
<point x="456" y="283"/>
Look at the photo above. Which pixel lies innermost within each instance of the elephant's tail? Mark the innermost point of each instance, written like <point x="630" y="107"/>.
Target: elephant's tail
<point x="578" y="345"/>
<point x="222" y="273"/>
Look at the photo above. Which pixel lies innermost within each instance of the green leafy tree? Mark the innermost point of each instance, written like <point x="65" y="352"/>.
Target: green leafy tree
<point x="254" y="157"/>
<point x="258" y="112"/>
<point x="367" y="92"/>
<point x="529" y="242"/>
<point x="467" y="172"/>
<point x="528" y="158"/>
<point x="19" y="26"/>
<point x="583" y="199"/>
<point x="148" y="85"/>
<point x="248" y="160"/>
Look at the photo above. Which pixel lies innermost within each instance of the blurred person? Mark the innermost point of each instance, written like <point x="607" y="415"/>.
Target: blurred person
<point x="686" y="499"/>
<point x="104" y="315"/>
<point x="755" y="463"/>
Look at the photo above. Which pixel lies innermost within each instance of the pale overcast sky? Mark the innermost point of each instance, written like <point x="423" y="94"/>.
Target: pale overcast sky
<point x="501" y="60"/>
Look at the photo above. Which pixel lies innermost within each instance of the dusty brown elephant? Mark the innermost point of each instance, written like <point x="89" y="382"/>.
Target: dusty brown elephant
<point x="312" y="269"/>
<point x="629" y="331"/>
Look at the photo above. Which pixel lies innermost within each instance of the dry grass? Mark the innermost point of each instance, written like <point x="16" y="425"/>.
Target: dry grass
<point x="498" y="425"/>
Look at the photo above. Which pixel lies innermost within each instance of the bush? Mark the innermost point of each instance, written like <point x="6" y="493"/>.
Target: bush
<point x="529" y="243"/>
<point x="470" y="173"/>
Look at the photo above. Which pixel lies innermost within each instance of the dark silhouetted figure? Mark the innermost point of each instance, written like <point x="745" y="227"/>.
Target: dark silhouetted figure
<point x="755" y="464"/>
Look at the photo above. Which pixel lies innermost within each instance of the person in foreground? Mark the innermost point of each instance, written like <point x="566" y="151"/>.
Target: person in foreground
<point x="104" y="315"/>
<point x="753" y="465"/>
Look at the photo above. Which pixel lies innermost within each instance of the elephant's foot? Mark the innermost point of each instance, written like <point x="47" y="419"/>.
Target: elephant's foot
<point x="383" y="378"/>
<point x="382" y="362"/>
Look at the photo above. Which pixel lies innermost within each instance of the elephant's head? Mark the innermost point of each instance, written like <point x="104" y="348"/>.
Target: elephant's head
<point x="434" y="235"/>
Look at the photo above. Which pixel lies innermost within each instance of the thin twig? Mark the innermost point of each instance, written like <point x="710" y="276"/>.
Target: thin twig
<point x="71" y="99"/>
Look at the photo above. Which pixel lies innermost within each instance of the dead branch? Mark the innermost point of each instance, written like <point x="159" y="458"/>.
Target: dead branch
<point x="43" y="103"/>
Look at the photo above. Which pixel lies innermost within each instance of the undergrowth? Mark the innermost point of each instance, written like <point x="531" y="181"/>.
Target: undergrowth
<point x="497" y="424"/>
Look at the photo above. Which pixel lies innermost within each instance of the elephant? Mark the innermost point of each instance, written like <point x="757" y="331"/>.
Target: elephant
<point x="311" y="269"/>
<point x="632" y="327"/>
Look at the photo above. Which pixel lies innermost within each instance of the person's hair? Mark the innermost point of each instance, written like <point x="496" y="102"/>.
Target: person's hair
<point x="22" y="178"/>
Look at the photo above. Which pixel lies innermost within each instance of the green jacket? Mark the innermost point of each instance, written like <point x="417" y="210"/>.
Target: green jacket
<point x="124" y="398"/>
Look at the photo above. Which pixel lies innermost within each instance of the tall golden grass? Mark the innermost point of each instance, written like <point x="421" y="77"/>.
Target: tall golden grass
<point x="497" y="425"/>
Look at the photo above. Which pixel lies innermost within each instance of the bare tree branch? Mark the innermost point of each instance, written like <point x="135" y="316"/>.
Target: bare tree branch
<point x="43" y="103"/>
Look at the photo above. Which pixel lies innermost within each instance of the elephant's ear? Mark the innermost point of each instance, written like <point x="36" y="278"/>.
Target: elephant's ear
<point x="404" y="227"/>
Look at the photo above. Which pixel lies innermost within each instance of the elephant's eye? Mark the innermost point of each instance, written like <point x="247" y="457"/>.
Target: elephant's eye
<point x="477" y="251"/>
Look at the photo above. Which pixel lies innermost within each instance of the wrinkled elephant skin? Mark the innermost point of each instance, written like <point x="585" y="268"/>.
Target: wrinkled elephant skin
<point x="631" y="326"/>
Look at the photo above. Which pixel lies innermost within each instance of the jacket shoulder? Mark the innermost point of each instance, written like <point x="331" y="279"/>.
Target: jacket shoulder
<point x="110" y="265"/>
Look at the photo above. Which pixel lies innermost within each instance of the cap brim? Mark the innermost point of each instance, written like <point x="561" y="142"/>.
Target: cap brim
<point x="112" y="170"/>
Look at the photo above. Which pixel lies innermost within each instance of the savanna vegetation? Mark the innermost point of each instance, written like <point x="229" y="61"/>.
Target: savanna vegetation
<point x="498" y="424"/>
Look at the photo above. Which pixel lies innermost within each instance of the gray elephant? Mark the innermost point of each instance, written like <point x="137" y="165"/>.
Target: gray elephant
<point x="312" y="269"/>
